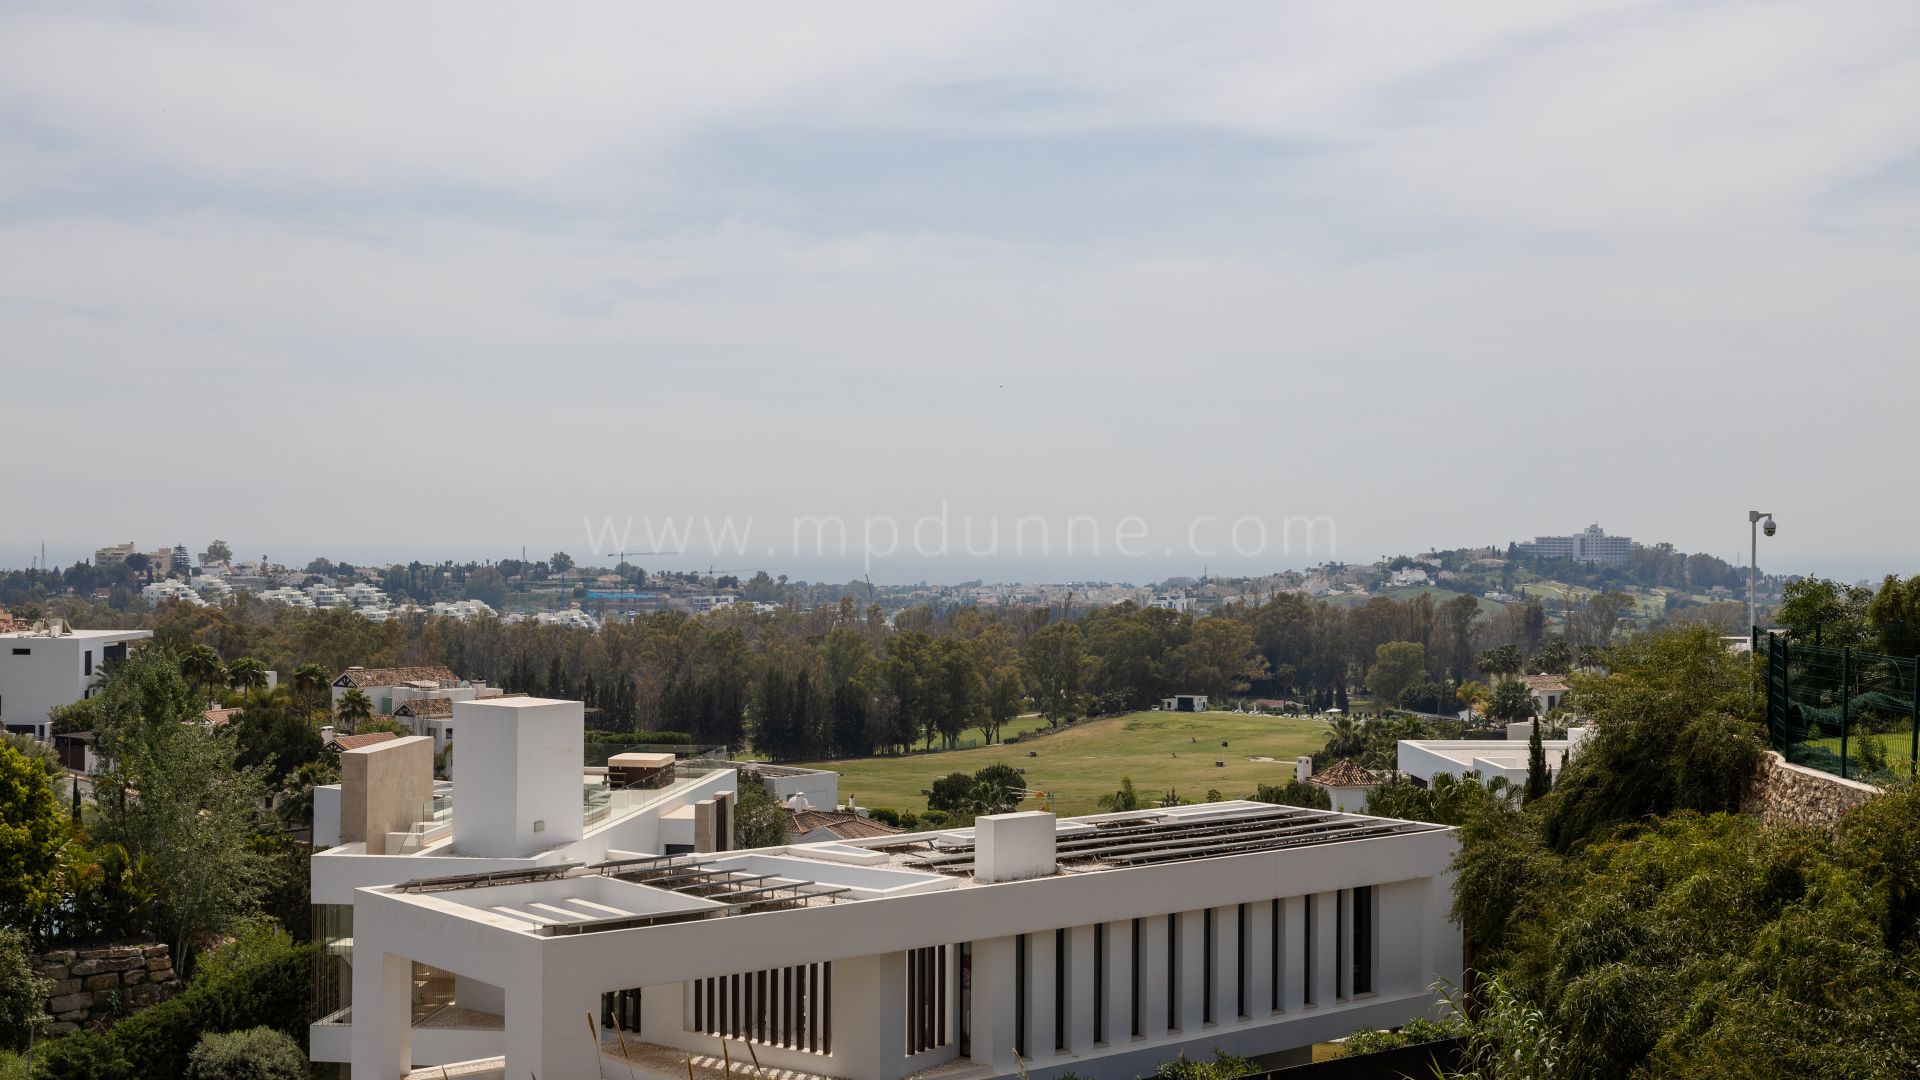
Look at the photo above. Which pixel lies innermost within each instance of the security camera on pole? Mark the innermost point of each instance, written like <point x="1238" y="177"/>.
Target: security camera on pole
<point x="1757" y="520"/>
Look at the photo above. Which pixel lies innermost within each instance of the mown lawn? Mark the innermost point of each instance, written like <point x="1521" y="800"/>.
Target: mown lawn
<point x="1076" y="766"/>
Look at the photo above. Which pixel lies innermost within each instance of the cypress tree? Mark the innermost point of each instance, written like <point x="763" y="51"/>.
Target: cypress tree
<point x="1539" y="780"/>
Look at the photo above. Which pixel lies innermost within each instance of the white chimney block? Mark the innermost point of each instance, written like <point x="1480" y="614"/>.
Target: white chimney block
<point x="1013" y="847"/>
<point x="1302" y="768"/>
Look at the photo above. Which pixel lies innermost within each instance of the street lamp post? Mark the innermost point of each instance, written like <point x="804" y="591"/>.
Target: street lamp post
<point x="1756" y="521"/>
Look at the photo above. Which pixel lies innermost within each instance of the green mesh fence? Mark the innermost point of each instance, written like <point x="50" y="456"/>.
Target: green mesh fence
<point x="1850" y="713"/>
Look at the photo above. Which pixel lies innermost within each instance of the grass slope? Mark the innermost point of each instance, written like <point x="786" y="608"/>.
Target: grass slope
<point x="1159" y="750"/>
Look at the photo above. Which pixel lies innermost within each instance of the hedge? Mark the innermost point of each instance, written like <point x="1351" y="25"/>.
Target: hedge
<point x="642" y="738"/>
<point x="154" y="1043"/>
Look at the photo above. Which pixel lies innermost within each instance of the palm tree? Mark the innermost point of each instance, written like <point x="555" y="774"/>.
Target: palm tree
<point x="1472" y="695"/>
<point x="1504" y="660"/>
<point x="354" y="708"/>
<point x="310" y="681"/>
<point x="247" y="674"/>
<point x="1345" y="738"/>
<point x="202" y="669"/>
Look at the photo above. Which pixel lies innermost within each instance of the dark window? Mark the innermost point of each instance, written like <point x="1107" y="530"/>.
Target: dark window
<point x="1339" y="946"/>
<point x="620" y="1010"/>
<point x="1273" y="962"/>
<point x="1060" y="990"/>
<point x="1363" y="940"/>
<point x="926" y="998"/>
<point x="86" y="662"/>
<point x="1099" y="982"/>
<point x="1306" y="947"/>
<point x="966" y="998"/>
<point x="1206" y="966"/>
<point x="1134" y="971"/>
<point x="1020" y="994"/>
<point x="1240" y="962"/>
<point x="22" y="652"/>
<point x="1173" y="971"/>
<point x="115" y="651"/>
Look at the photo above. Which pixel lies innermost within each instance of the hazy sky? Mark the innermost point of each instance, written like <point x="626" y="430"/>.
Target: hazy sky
<point x="443" y="280"/>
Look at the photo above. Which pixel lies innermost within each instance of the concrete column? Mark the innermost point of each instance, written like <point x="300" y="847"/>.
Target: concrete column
<point x="993" y="1001"/>
<point x="665" y="1012"/>
<point x="1326" y="948"/>
<point x="869" y="1012"/>
<point x="1226" y="964"/>
<point x="705" y="838"/>
<point x="1041" y="978"/>
<point x="552" y="1031"/>
<point x="1119" y="982"/>
<point x="1193" y="971"/>
<point x="1259" y="946"/>
<point x="1293" y="987"/>
<point x="1153" y="976"/>
<point x="1080" y="995"/>
<point x="382" y="1015"/>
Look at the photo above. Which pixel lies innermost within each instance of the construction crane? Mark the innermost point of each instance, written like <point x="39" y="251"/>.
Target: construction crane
<point x="621" y="556"/>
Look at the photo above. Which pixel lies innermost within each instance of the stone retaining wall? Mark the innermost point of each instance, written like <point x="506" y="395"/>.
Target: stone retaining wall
<point x="92" y="986"/>
<point x="1796" y="795"/>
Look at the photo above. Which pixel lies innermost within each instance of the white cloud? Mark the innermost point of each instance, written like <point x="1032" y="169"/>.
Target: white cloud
<point x="1460" y="272"/>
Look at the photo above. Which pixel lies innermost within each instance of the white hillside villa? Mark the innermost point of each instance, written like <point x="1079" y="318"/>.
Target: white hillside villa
<point x="526" y="940"/>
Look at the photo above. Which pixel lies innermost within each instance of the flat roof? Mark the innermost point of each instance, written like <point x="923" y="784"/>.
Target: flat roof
<point x="71" y="635"/>
<point x="579" y="898"/>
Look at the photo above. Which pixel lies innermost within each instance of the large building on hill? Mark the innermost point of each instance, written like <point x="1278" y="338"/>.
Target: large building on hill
<point x="1589" y="545"/>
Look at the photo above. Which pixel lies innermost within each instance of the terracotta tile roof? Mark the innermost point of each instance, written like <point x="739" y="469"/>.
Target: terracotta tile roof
<point x="355" y="742"/>
<point x="1345" y="774"/>
<point x="425" y="708"/>
<point x="1546" y="684"/>
<point x="843" y="825"/>
<point x="397" y="676"/>
<point x="220" y="717"/>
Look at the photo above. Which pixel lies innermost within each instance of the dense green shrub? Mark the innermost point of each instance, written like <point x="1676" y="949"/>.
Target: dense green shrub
<point x="156" y="1043"/>
<point x="1414" y="1032"/>
<point x="259" y="1053"/>
<point x="642" y="738"/>
<point x="1671" y="729"/>
<point x="22" y="989"/>
<point x="1294" y="793"/>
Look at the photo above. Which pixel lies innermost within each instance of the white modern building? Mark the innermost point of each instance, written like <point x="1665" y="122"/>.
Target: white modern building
<point x="815" y="788"/>
<point x="159" y="592"/>
<point x="522" y="803"/>
<point x="389" y="687"/>
<point x="1428" y="758"/>
<point x="1100" y="946"/>
<point x="50" y="664"/>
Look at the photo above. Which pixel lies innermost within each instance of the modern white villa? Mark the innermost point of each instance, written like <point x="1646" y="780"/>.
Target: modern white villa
<point x="523" y="802"/>
<point x="1428" y="758"/>
<point x="523" y="940"/>
<point x="49" y="664"/>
